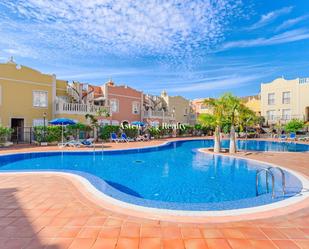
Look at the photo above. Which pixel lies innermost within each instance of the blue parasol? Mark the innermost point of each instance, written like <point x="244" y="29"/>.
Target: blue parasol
<point x="139" y="123"/>
<point x="62" y="122"/>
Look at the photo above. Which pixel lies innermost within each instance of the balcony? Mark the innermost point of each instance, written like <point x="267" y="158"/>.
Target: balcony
<point x="82" y="109"/>
<point x="159" y="115"/>
<point x="282" y="119"/>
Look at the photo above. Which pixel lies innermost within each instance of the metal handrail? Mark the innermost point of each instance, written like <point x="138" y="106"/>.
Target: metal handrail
<point x="268" y="172"/>
<point x="282" y="177"/>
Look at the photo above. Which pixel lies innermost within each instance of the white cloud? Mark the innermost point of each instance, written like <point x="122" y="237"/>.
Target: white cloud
<point x="289" y="36"/>
<point x="163" y="27"/>
<point x="291" y="22"/>
<point x="101" y="73"/>
<point x="217" y="83"/>
<point x="270" y="17"/>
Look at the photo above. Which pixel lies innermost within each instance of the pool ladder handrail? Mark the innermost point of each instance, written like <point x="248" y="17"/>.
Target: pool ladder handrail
<point x="267" y="172"/>
<point x="282" y="177"/>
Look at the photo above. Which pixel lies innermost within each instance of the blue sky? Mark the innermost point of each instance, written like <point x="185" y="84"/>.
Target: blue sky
<point x="190" y="48"/>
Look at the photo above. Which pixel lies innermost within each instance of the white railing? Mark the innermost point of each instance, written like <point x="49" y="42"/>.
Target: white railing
<point x="72" y="108"/>
<point x="283" y="118"/>
<point x="158" y="114"/>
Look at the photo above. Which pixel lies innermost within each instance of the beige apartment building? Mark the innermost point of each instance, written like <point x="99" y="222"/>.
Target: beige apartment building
<point x="253" y="102"/>
<point x="283" y="100"/>
<point x="180" y="107"/>
<point x="28" y="97"/>
<point x="199" y="106"/>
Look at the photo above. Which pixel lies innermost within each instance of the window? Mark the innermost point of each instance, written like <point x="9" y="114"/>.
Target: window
<point x="271" y="99"/>
<point x="286" y="114"/>
<point x="136" y="107"/>
<point x="271" y="115"/>
<point x="286" y="97"/>
<point x="39" y="122"/>
<point x="115" y="122"/>
<point x="204" y="107"/>
<point x="40" y="99"/>
<point x="114" y="103"/>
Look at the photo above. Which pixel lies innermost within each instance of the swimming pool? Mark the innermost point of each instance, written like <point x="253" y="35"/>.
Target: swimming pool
<point x="173" y="176"/>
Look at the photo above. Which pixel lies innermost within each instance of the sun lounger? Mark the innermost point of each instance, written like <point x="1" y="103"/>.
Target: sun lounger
<point x="283" y="137"/>
<point x="88" y="142"/>
<point x="114" y="138"/>
<point x="124" y="138"/>
<point x="68" y="143"/>
<point x="304" y="139"/>
<point x="292" y="136"/>
<point x="142" y="138"/>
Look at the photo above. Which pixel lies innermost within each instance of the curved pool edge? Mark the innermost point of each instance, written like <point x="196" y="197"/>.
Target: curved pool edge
<point x="164" y="143"/>
<point x="99" y="198"/>
<point x="102" y="200"/>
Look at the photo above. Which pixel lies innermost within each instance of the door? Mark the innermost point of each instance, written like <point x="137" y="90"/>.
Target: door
<point x="17" y="124"/>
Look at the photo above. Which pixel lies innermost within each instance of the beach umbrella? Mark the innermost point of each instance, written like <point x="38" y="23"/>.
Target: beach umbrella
<point x="139" y="123"/>
<point x="63" y="122"/>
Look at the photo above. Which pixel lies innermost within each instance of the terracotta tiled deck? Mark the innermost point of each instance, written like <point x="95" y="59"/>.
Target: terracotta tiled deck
<point x="49" y="211"/>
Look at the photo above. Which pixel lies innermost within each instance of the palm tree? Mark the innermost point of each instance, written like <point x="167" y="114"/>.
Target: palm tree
<point x="238" y="114"/>
<point x="215" y="119"/>
<point x="232" y="109"/>
<point x="93" y="118"/>
<point x="227" y="111"/>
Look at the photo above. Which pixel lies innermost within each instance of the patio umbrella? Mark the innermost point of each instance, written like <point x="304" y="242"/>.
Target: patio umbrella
<point x="62" y="122"/>
<point x="139" y="123"/>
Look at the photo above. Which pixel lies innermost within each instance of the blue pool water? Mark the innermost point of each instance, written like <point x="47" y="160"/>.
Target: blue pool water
<point x="173" y="176"/>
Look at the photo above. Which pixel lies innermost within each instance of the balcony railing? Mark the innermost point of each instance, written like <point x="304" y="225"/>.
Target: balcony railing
<point x="158" y="114"/>
<point x="283" y="118"/>
<point x="72" y="108"/>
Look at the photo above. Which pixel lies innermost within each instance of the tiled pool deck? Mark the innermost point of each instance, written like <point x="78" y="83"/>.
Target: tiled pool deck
<point x="51" y="211"/>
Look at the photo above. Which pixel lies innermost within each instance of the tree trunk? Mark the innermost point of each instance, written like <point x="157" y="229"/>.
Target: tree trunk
<point x="232" y="140"/>
<point x="217" y="146"/>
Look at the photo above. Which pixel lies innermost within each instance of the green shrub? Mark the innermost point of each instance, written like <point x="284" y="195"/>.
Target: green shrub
<point x="4" y="133"/>
<point x="294" y="125"/>
<point x="154" y="132"/>
<point x="78" y="130"/>
<point x="201" y="129"/>
<point x="163" y="131"/>
<point x="52" y="134"/>
<point x="107" y="130"/>
<point x="131" y="132"/>
<point x="186" y="129"/>
<point x="38" y="132"/>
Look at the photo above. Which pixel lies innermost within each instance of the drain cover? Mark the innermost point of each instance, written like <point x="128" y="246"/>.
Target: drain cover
<point x="138" y="161"/>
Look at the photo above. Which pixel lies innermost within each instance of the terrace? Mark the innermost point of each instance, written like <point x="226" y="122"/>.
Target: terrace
<point x="159" y="114"/>
<point x="81" y="109"/>
<point x="47" y="210"/>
